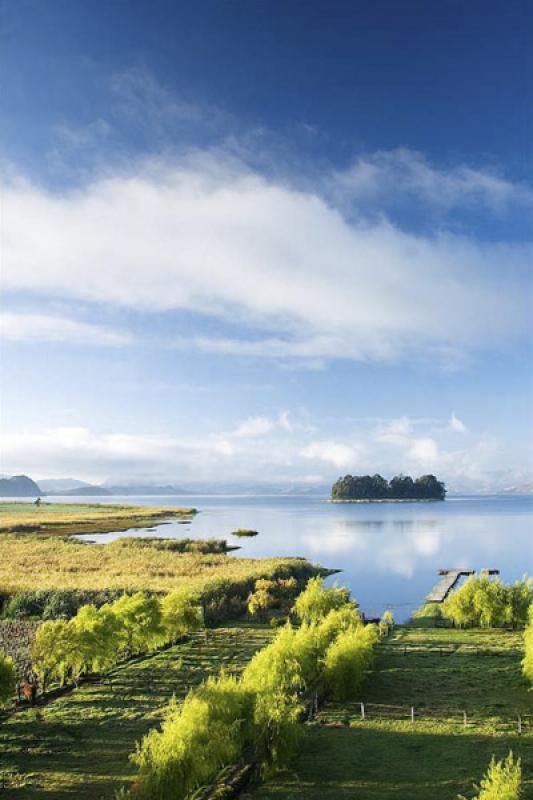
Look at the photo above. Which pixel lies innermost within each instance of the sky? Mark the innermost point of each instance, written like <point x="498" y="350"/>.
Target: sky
<point x="266" y="242"/>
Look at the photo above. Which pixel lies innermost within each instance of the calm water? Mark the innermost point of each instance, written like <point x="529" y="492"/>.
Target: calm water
<point x="388" y="553"/>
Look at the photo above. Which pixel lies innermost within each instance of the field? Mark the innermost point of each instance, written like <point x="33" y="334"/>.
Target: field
<point x="440" y="673"/>
<point x="78" y="746"/>
<point x="31" y="563"/>
<point x="71" y="518"/>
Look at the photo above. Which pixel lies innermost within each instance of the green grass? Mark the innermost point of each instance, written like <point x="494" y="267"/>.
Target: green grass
<point x="79" y="745"/>
<point x="387" y="757"/>
<point x="243" y="532"/>
<point x="74" y="518"/>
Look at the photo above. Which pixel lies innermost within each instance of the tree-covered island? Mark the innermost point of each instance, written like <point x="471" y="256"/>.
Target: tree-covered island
<point x="353" y="488"/>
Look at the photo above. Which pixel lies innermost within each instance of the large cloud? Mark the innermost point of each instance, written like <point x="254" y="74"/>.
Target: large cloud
<point x="275" y="449"/>
<point x="212" y="237"/>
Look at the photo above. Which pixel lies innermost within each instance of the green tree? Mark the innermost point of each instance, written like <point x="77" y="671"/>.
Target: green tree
<point x="275" y="676"/>
<point x="527" y="662"/>
<point x="140" y="619"/>
<point x="348" y="660"/>
<point x="97" y="634"/>
<point x="180" y="614"/>
<point x="53" y="651"/>
<point x="315" y="602"/>
<point x="196" y="739"/>
<point x="8" y="678"/>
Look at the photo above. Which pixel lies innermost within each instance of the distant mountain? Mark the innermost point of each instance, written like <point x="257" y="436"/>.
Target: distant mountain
<point x="19" y="486"/>
<point x="145" y="489"/>
<point x="81" y="491"/>
<point x="87" y="490"/>
<point x="61" y="485"/>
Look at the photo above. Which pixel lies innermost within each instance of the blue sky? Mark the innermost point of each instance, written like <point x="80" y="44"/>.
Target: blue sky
<point x="267" y="241"/>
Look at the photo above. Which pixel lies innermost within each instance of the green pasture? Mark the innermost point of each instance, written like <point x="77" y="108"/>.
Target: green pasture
<point x="79" y="745"/>
<point x="440" y="673"/>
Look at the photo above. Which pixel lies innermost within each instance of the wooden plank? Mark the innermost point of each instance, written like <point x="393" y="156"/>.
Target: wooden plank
<point x="441" y="589"/>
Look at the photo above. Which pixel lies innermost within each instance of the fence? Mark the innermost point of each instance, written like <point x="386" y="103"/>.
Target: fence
<point x="511" y="722"/>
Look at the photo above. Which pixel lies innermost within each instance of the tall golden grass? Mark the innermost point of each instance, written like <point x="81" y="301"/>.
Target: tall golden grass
<point x="69" y="518"/>
<point x="33" y="562"/>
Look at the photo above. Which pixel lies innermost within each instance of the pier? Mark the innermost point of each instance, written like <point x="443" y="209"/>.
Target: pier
<point x="449" y="578"/>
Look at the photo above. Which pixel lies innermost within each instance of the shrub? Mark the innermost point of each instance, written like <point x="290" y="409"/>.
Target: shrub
<point x="97" y="634"/>
<point x="53" y="651"/>
<point x="527" y="662"/>
<point x="139" y="616"/>
<point x="195" y="741"/>
<point x="7" y="678"/>
<point x="276" y="678"/>
<point x="348" y="660"/>
<point x="180" y="614"/>
<point x="502" y="781"/>
<point x="315" y="602"/>
<point x="488" y="603"/>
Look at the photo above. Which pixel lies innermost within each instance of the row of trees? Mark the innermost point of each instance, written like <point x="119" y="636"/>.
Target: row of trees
<point x="488" y="603"/>
<point x="331" y="649"/>
<point x="375" y="487"/>
<point x="96" y="638"/>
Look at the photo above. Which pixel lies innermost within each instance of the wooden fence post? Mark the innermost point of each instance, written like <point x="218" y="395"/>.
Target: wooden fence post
<point x="464" y="719"/>
<point x="362" y="710"/>
<point x="519" y="724"/>
<point x="412" y="714"/>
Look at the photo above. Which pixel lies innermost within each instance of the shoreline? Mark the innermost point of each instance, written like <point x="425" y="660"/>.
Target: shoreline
<point x="387" y="500"/>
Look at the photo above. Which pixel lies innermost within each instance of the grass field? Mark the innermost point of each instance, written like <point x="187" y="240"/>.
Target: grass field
<point x="36" y="562"/>
<point x="71" y="518"/>
<point x="79" y="746"/>
<point x="441" y="673"/>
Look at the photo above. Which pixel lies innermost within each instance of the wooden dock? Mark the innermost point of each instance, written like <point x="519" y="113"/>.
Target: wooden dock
<point x="449" y="578"/>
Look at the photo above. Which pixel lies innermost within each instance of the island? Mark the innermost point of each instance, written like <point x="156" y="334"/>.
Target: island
<point x="375" y="488"/>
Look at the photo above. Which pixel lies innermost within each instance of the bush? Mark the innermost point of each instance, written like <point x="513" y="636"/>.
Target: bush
<point x="263" y="708"/>
<point x="7" y="678"/>
<point x="209" y="730"/>
<point x="527" y="662"/>
<point x="502" y="782"/>
<point x="139" y="616"/>
<point x="180" y="615"/>
<point x="348" y="660"/>
<point x="488" y="603"/>
<point x="315" y="602"/>
<point x="53" y="651"/>
<point x="96" y="638"/>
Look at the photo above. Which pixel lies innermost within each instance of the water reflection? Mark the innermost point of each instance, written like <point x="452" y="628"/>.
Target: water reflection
<point x="389" y="554"/>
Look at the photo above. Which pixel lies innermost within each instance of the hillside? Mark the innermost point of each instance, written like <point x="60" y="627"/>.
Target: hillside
<point x="19" y="486"/>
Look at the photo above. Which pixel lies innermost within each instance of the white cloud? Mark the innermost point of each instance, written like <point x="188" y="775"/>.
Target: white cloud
<point x="388" y="176"/>
<point x="336" y="453"/>
<point x="94" y="455"/>
<point x="424" y="453"/>
<point x="209" y="236"/>
<point x="254" y="427"/>
<point x="19" y="327"/>
<point x="395" y="431"/>
<point x="456" y="425"/>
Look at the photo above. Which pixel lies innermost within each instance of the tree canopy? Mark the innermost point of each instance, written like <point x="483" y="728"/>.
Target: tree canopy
<point x="376" y="487"/>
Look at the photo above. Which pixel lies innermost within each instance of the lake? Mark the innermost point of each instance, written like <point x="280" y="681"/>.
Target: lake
<point x="389" y="553"/>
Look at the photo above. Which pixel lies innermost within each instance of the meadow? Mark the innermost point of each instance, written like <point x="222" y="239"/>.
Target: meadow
<point x="79" y="745"/>
<point x="440" y="673"/>
<point x="74" y="518"/>
<point x="32" y="563"/>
